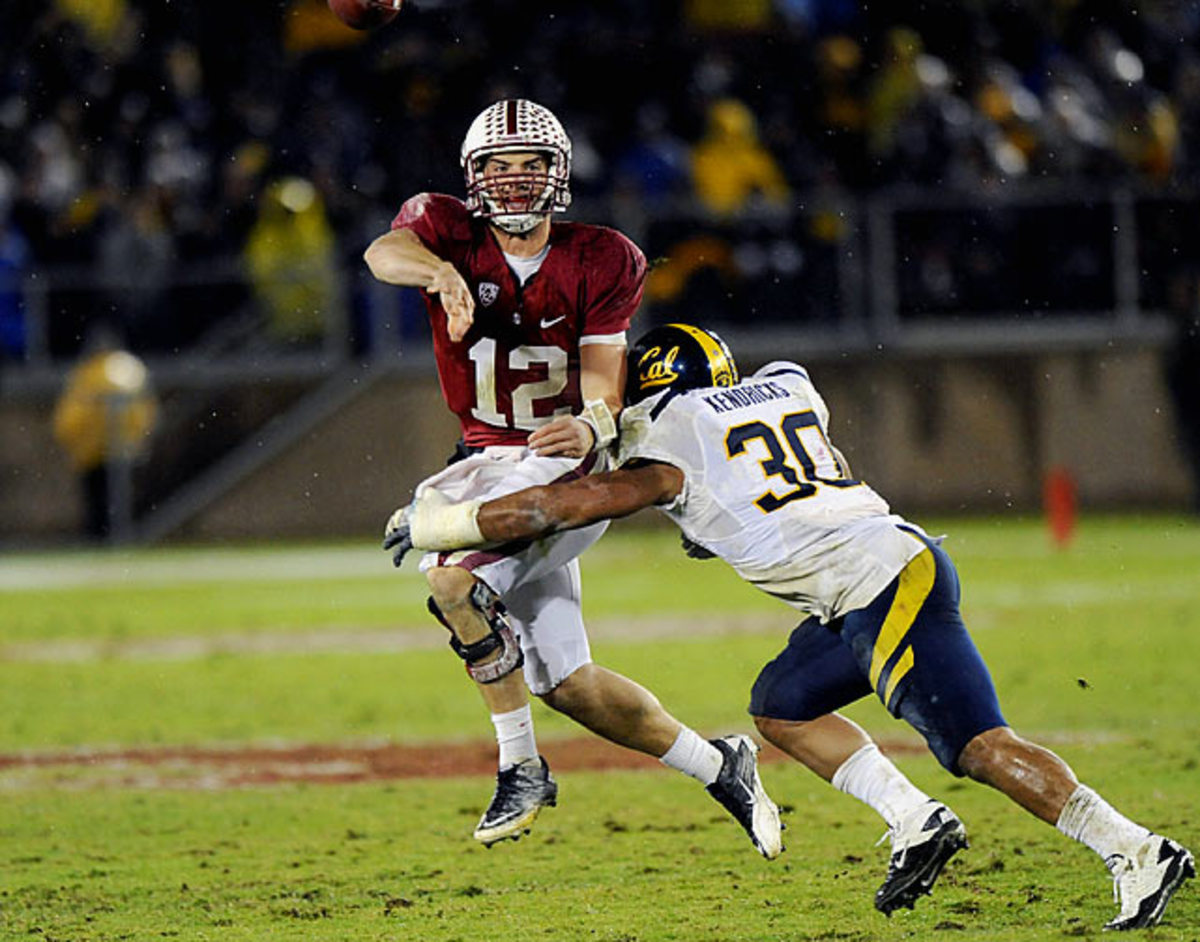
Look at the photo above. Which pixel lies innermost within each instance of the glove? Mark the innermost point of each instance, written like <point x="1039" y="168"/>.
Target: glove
<point x="692" y="549"/>
<point x="397" y="535"/>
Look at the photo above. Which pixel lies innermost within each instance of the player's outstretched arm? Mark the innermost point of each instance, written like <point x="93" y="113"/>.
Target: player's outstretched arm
<point x="540" y="511"/>
<point x="399" y="257"/>
<point x="432" y="523"/>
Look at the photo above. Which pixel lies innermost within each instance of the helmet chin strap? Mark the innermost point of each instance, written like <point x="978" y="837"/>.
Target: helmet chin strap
<point x="517" y="223"/>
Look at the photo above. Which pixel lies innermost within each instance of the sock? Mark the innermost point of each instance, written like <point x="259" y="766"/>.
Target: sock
<point x="514" y="733"/>
<point x="1092" y="821"/>
<point x="693" y="755"/>
<point x="871" y="777"/>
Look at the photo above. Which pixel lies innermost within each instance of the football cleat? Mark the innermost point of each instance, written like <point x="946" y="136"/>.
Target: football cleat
<point x="522" y="790"/>
<point x="1143" y="883"/>
<point x="740" y="791"/>
<point x="922" y="844"/>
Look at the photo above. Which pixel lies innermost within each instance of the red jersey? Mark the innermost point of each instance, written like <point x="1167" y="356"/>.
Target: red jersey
<point x="518" y="365"/>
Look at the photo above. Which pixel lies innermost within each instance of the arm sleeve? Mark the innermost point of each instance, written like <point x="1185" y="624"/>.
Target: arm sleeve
<point x="619" y="276"/>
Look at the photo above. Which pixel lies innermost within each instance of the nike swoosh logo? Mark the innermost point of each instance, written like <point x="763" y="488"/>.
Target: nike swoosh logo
<point x="550" y="322"/>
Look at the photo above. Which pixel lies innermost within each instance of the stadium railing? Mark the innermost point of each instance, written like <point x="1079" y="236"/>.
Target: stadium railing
<point x="905" y="267"/>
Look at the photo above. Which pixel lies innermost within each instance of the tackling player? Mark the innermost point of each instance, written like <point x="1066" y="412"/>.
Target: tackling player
<point x="529" y="320"/>
<point x="749" y="474"/>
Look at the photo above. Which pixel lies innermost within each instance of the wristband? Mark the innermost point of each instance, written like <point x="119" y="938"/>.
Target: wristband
<point x="599" y="418"/>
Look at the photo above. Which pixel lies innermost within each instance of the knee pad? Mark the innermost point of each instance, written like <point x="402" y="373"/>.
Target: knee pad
<point x="501" y="637"/>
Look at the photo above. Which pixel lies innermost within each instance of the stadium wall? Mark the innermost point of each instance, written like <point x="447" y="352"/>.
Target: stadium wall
<point x="943" y="434"/>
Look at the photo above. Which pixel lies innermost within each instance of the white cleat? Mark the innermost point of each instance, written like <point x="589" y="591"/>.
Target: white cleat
<point x="1143" y="883"/>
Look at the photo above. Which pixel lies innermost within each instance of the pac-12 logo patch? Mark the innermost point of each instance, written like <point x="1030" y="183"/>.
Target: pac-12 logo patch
<point x="488" y="292"/>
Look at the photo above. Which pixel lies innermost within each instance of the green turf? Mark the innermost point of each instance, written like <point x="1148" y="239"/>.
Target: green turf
<point x="161" y="593"/>
<point x="1072" y="637"/>
<point x="1093" y="648"/>
<point x="627" y="856"/>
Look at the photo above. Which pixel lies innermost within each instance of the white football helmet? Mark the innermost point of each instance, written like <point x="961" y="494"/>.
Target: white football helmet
<point x="516" y="125"/>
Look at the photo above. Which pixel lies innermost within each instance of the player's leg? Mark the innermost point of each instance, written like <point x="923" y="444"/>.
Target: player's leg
<point x="465" y="590"/>
<point x="451" y="590"/>
<point x="931" y="674"/>
<point x="524" y="784"/>
<point x="822" y="745"/>
<point x="626" y="713"/>
<point x="559" y="669"/>
<point x="1032" y="776"/>
<point x="1147" y="868"/>
<point x="617" y="708"/>
<point x="491" y="652"/>
<point x="794" y="702"/>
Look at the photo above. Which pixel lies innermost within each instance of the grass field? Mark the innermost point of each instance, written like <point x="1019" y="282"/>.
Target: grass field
<point x="1094" y="650"/>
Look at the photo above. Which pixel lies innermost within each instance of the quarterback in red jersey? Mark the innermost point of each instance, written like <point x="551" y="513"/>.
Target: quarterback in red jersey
<point x="529" y="320"/>
<point x="518" y="364"/>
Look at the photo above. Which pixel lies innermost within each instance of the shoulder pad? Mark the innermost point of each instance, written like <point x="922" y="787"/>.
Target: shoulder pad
<point x="781" y="368"/>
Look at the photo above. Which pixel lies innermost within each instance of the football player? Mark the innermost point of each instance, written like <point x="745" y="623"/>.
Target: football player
<point x="529" y="318"/>
<point x="748" y="472"/>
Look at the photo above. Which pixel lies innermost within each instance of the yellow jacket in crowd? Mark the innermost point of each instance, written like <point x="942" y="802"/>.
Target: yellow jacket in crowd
<point x="107" y="409"/>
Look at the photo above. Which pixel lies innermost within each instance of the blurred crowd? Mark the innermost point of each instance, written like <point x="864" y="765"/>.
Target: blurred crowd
<point x="182" y="162"/>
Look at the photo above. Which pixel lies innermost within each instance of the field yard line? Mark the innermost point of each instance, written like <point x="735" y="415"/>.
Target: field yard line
<point x="983" y="607"/>
<point x="27" y="573"/>
<point x="72" y="570"/>
<point x="367" y="640"/>
<point x="228" y="766"/>
<point x="1078" y="593"/>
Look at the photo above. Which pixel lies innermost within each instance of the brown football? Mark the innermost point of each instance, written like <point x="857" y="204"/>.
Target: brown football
<point x="365" y="14"/>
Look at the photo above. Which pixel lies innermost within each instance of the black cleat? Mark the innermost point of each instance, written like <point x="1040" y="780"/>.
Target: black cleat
<point x="740" y="791"/>
<point x="522" y="791"/>
<point x="921" y="846"/>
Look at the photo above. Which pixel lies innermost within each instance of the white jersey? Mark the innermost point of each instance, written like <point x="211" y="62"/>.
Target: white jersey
<point x="765" y="490"/>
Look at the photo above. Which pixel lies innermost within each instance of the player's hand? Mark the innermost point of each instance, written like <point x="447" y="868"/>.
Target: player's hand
<point x="432" y="522"/>
<point x="397" y="535"/>
<point x="456" y="299"/>
<point x="565" y="436"/>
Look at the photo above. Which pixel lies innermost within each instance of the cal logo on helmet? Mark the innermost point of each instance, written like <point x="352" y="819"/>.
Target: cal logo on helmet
<point x="678" y="357"/>
<point x="656" y="368"/>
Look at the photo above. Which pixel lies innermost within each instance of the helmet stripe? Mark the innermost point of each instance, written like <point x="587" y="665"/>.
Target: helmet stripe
<point x="510" y="116"/>
<point x="719" y="360"/>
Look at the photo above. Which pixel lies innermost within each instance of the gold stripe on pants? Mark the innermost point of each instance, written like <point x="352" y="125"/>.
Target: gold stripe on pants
<point x="916" y="579"/>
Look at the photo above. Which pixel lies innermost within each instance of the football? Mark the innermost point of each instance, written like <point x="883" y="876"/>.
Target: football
<point x="365" y="14"/>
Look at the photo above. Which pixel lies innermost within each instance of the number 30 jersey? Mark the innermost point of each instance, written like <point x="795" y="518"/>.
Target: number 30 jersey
<point x="765" y="490"/>
<point x="518" y="365"/>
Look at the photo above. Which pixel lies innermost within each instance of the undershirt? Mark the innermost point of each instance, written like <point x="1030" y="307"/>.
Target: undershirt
<point x="524" y="267"/>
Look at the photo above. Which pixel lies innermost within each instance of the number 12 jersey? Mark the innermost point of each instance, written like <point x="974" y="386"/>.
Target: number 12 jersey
<point x="518" y="365"/>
